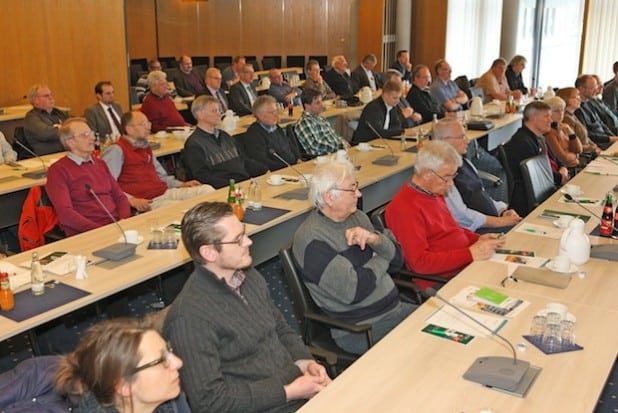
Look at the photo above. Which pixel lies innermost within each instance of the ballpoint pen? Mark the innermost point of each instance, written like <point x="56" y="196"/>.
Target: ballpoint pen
<point x="534" y="231"/>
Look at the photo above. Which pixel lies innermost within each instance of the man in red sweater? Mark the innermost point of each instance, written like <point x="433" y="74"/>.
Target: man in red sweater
<point x="72" y="180"/>
<point x="432" y="242"/>
<point x="158" y="106"/>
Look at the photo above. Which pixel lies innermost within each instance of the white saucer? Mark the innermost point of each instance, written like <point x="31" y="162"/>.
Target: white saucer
<point x="140" y="239"/>
<point x="274" y="184"/>
<point x="557" y="224"/>
<point x="551" y="266"/>
<point x="580" y="193"/>
<point x="364" y="150"/>
<point x="569" y="316"/>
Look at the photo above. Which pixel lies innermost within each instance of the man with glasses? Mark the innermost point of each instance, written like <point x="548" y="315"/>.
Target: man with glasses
<point x="139" y="173"/>
<point x="419" y="97"/>
<point x="346" y="263"/>
<point x="72" y="180"/>
<point x="239" y="353"/>
<point x="472" y="207"/>
<point x="281" y="90"/>
<point x="42" y="122"/>
<point x="213" y="87"/>
<point x="243" y="93"/>
<point x="158" y="107"/>
<point x="210" y="155"/>
<point x="598" y="131"/>
<point x="431" y="240"/>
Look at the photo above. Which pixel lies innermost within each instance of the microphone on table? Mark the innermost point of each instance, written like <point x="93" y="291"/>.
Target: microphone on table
<point x="604" y="251"/>
<point x="114" y="252"/>
<point x="296" y="171"/>
<point x="386" y="160"/>
<point x="38" y="174"/>
<point x="502" y="373"/>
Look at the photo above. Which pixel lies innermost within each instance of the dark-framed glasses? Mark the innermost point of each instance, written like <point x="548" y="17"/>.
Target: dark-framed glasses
<point x="353" y="189"/>
<point x="446" y="178"/>
<point x="165" y="360"/>
<point x="238" y="240"/>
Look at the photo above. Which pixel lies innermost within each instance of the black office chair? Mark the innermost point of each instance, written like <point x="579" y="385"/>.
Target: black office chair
<point x="504" y="160"/>
<point x="379" y="222"/>
<point x="464" y="84"/>
<point x="271" y="62"/>
<point x="538" y="180"/>
<point x="142" y="62"/>
<point x="222" y="62"/>
<point x="136" y="71"/>
<point x="477" y="91"/>
<point x="322" y="60"/>
<point x="20" y="135"/>
<point x="314" y="324"/>
<point x="490" y="170"/>
<point x="168" y="62"/>
<point x="295" y="61"/>
<point x="201" y="61"/>
<point x="289" y="131"/>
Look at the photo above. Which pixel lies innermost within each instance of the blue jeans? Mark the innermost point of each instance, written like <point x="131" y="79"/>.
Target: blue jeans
<point x="357" y="342"/>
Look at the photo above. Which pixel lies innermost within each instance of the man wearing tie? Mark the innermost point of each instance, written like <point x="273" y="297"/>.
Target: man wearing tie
<point x="243" y="94"/>
<point x="213" y="87"/>
<point x="104" y="117"/>
<point x="364" y="75"/>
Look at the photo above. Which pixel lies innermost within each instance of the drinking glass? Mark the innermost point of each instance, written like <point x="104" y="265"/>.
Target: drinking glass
<point x="552" y="342"/>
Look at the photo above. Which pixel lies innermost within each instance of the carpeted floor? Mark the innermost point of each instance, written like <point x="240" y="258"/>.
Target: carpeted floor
<point x="62" y="336"/>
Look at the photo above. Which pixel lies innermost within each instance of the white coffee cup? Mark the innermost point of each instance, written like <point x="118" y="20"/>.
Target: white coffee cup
<point x="564" y="220"/>
<point x="557" y="308"/>
<point x="572" y="189"/>
<point x="161" y="134"/>
<point x="562" y="263"/>
<point x="342" y="155"/>
<point x="276" y="179"/>
<point x="131" y="236"/>
<point x="321" y="159"/>
<point x="364" y="146"/>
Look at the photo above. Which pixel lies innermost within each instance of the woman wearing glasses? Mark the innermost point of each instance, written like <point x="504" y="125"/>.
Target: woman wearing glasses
<point x="123" y="366"/>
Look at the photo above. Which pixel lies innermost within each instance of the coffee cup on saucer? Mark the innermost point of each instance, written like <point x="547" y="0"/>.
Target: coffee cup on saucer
<point x="564" y="220"/>
<point x="364" y="146"/>
<point x="276" y="179"/>
<point x="562" y="263"/>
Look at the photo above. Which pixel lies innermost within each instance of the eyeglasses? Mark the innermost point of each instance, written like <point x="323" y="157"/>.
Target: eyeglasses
<point x="165" y="359"/>
<point x="238" y="240"/>
<point x="444" y="179"/>
<point x="353" y="189"/>
<point x="86" y="134"/>
<point x="459" y="138"/>
<point x="144" y="123"/>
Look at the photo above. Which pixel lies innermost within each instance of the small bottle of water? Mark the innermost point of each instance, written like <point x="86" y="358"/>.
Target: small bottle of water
<point x="36" y="275"/>
<point x="404" y="143"/>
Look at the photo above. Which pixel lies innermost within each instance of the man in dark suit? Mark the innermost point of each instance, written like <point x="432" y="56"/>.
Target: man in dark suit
<point x="403" y="65"/>
<point x="213" y="87"/>
<point x="186" y="80"/>
<point x="338" y="78"/>
<point x="243" y="93"/>
<point x="104" y="116"/>
<point x="384" y="114"/>
<point x="364" y="76"/>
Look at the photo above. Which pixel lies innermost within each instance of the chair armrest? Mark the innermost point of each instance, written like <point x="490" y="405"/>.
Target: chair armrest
<point x="342" y="325"/>
<point x="426" y="277"/>
<point x="326" y="357"/>
<point x="491" y="178"/>
<point x="410" y="288"/>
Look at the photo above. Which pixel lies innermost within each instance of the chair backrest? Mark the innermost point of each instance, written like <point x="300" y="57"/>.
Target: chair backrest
<point x="142" y="62"/>
<point x="538" y="180"/>
<point x="322" y="60"/>
<point x="504" y="160"/>
<point x="270" y="62"/>
<point x="289" y="130"/>
<point x="377" y="218"/>
<point x="168" y="62"/>
<point x="200" y="60"/>
<point x="20" y="136"/>
<point x="477" y="91"/>
<point x="464" y="84"/>
<point x="295" y="61"/>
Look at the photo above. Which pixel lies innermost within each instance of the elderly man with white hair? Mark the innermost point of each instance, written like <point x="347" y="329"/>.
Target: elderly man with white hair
<point x="338" y="77"/>
<point x="346" y="263"/>
<point x="158" y="106"/>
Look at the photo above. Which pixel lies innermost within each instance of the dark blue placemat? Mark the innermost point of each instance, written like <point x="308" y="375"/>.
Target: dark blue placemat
<point x="263" y="215"/>
<point x="162" y="245"/>
<point x="597" y="232"/>
<point x="412" y="149"/>
<point x="536" y="341"/>
<point x="299" y="193"/>
<point x="28" y="305"/>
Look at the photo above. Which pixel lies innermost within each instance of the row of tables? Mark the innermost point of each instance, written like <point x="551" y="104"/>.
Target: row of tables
<point x="410" y="370"/>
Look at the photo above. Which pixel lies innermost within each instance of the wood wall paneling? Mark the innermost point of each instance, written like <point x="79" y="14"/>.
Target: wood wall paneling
<point x="141" y="29"/>
<point x="370" y="29"/>
<point x="66" y="44"/>
<point x="428" y="31"/>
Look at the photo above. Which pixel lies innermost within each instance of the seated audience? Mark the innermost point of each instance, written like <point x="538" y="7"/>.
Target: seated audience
<point x="122" y="365"/>
<point x="139" y="173"/>
<point x="281" y="90"/>
<point x="471" y="206"/>
<point x="158" y="107"/>
<point x="610" y="91"/>
<point x="213" y="87"/>
<point x="364" y="76"/>
<point x="72" y="179"/>
<point x="527" y="142"/>
<point x="513" y="74"/>
<point x="142" y="83"/>
<point x="243" y="93"/>
<point x="42" y="122"/>
<point x="231" y="74"/>
<point x="403" y="65"/>
<point x="338" y="78"/>
<point x="494" y="83"/>
<point x="431" y="240"/>
<point x="570" y="96"/>
<point x="240" y="353"/>
<point x="186" y="80"/>
<point x="411" y="118"/>
<point x="315" y="81"/>
<point x="604" y="111"/>
<point x="564" y="147"/>
<point x="7" y="154"/>
<point x="210" y="155"/>
<point x="598" y="131"/>
<point x="314" y="133"/>
<point x="345" y="262"/>
<point x="104" y="116"/>
<point x="264" y="136"/>
<point x="445" y="91"/>
<point x="419" y="98"/>
<point x="383" y="114"/>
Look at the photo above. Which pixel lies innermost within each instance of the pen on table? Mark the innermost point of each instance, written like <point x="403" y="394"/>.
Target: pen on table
<point x="534" y="231"/>
<point x="378" y="146"/>
<point x="549" y="215"/>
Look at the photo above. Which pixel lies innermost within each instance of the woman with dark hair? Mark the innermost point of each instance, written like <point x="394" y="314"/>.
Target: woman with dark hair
<point x="122" y="366"/>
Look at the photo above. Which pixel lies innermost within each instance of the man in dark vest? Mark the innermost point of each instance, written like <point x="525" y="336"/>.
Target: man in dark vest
<point x="139" y="173"/>
<point x="469" y="203"/>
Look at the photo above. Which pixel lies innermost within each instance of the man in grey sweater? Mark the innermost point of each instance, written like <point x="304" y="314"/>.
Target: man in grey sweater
<point x="240" y="355"/>
<point x="345" y="262"/>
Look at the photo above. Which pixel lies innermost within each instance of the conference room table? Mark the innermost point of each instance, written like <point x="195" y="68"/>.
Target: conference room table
<point x="410" y="370"/>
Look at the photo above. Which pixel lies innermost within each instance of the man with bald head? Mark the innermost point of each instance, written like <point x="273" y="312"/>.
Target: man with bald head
<point x="281" y="90"/>
<point x="494" y="83"/>
<point x="42" y="122"/>
<point x="419" y="97"/>
<point x="338" y="78"/>
<point x="187" y="81"/>
<point x="213" y="87"/>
